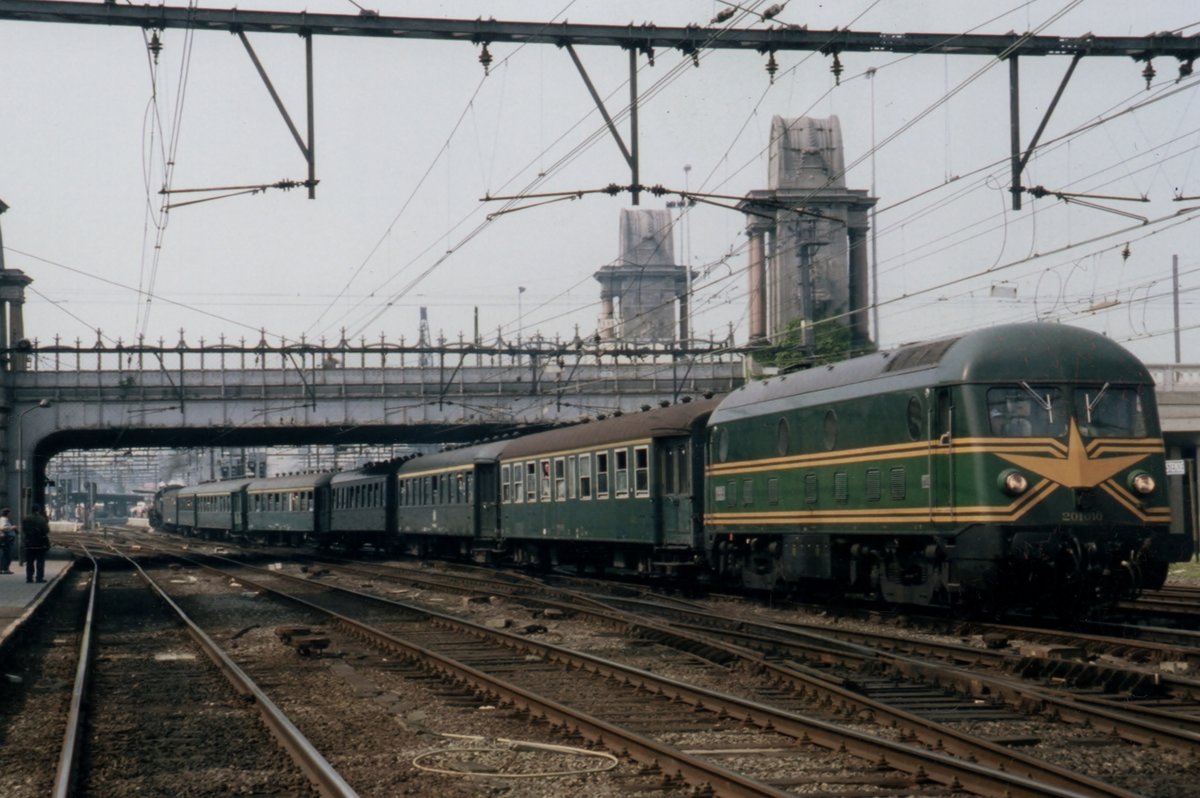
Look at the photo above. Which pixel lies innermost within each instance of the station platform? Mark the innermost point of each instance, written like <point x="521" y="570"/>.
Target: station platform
<point x="18" y="597"/>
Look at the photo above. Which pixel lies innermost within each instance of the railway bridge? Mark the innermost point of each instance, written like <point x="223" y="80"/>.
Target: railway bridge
<point x="61" y="397"/>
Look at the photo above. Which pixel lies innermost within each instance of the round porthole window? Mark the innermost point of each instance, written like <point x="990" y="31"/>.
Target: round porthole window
<point x="915" y="416"/>
<point x="720" y="444"/>
<point x="830" y="430"/>
<point x="783" y="437"/>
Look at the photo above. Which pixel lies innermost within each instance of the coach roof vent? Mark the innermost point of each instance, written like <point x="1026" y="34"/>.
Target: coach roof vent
<point x="920" y="355"/>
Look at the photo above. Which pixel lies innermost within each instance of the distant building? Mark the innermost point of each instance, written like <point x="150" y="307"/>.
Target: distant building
<point x="639" y="292"/>
<point x="808" y="234"/>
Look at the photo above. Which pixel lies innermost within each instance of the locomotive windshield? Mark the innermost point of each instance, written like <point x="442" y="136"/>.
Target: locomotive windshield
<point x="1110" y="411"/>
<point x="1026" y="410"/>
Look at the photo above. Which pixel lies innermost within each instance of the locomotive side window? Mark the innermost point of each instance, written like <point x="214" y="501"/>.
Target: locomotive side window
<point x="641" y="471"/>
<point x="1024" y="410"/>
<point x="719" y="445"/>
<point x="830" y="430"/>
<point x="1109" y="411"/>
<point x="914" y="418"/>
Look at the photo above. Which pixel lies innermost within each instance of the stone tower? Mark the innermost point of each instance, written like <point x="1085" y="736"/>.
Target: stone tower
<point x="808" y="234"/>
<point x="640" y="289"/>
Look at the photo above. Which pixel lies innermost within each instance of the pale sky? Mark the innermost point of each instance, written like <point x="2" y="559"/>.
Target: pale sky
<point x="411" y="134"/>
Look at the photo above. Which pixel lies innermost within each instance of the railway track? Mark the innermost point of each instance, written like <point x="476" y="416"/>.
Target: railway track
<point x="146" y="706"/>
<point x="919" y="705"/>
<point x="655" y="706"/>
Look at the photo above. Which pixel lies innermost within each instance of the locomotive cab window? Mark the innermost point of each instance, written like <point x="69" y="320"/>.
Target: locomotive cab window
<point x="1110" y="411"/>
<point x="1025" y="410"/>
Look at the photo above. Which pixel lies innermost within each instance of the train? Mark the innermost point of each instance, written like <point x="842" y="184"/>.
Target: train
<point x="1018" y="467"/>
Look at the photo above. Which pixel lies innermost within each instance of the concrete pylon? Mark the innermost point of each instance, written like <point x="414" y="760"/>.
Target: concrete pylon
<point x="808" y="234"/>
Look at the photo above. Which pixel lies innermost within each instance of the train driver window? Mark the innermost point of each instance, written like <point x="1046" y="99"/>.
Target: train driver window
<point x="1108" y="411"/>
<point x="1024" y="410"/>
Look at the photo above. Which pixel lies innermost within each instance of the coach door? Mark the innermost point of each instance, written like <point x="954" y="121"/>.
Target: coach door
<point x="677" y="510"/>
<point x="486" y="495"/>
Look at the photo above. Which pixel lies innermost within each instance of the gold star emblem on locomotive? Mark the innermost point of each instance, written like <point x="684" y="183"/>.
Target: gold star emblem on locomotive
<point x="1076" y="470"/>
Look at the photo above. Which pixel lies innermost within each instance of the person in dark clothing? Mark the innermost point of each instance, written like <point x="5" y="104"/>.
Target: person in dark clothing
<point x="8" y="536"/>
<point x="36" y="530"/>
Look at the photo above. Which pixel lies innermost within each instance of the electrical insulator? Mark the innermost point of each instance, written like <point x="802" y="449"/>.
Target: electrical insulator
<point x="155" y="45"/>
<point x="772" y="66"/>
<point x="1125" y="253"/>
<point x="837" y="69"/>
<point x="1148" y="73"/>
<point x="485" y="58"/>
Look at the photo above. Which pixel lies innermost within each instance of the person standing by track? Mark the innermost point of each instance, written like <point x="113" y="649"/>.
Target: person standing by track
<point x="37" y="542"/>
<point x="8" y="536"/>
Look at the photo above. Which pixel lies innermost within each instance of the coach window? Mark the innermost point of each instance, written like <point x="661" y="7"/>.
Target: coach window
<point x="469" y="483"/>
<point x="783" y="437"/>
<point x="546" y="483"/>
<point x="560" y="479"/>
<point x="915" y="415"/>
<point x="601" y="475"/>
<point x="830" y="430"/>
<point x="572" y="477"/>
<point x="621" y="473"/>
<point x="504" y="470"/>
<point x="585" y="476"/>
<point x="641" y="471"/>
<point x="531" y="482"/>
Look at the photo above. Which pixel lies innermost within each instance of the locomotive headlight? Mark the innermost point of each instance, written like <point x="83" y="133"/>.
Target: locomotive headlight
<point x="1013" y="482"/>
<point x="1142" y="482"/>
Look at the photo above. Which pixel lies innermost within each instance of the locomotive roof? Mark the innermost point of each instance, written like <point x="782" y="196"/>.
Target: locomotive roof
<point x="674" y="420"/>
<point x="1031" y="352"/>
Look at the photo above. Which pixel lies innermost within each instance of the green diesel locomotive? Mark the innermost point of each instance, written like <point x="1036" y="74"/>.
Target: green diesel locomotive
<point x="1017" y="466"/>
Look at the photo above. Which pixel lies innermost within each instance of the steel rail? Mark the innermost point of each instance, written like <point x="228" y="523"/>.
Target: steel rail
<point x="695" y="640"/>
<point x="304" y="753"/>
<point x="911" y="759"/>
<point x="1146" y="729"/>
<point x="68" y="755"/>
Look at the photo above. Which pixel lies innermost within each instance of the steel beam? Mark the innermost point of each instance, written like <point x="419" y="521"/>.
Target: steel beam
<point x="647" y="35"/>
